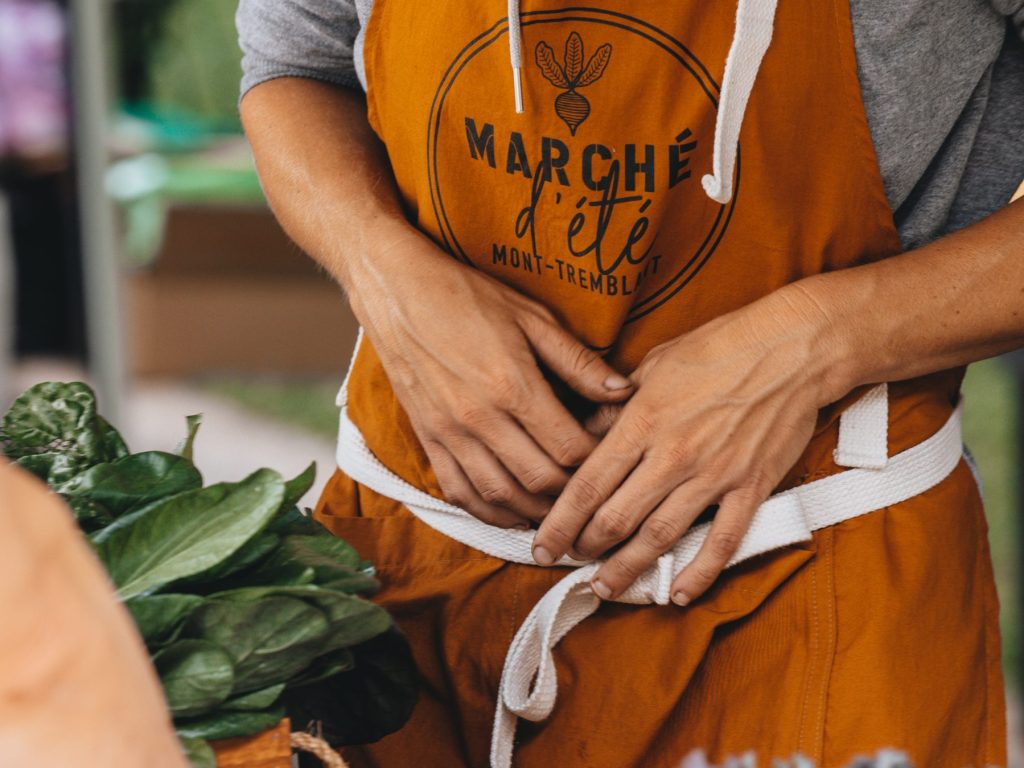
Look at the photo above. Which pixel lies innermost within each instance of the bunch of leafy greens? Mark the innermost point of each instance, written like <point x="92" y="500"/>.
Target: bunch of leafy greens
<point x="250" y="610"/>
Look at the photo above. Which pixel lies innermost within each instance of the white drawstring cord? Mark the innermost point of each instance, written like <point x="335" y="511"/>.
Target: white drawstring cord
<point x="515" y="52"/>
<point x="755" y="20"/>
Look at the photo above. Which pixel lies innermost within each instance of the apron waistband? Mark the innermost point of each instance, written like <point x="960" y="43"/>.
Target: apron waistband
<point x="529" y="684"/>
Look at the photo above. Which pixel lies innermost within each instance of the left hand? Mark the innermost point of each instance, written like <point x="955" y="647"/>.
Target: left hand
<point x="719" y="416"/>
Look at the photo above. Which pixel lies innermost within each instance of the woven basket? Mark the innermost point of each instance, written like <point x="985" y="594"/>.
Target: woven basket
<point x="273" y="749"/>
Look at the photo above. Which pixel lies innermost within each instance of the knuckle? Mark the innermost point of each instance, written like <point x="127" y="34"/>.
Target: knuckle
<point x="628" y="569"/>
<point x="470" y="413"/>
<point x="506" y="390"/>
<point x="641" y="426"/>
<point x="722" y="544"/>
<point x="541" y="480"/>
<point x="704" y="574"/>
<point x="558" y="534"/>
<point x="583" y="493"/>
<point x="675" y="457"/>
<point x="497" y="493"/>
<point x="613" y="524"/>
<point x="661" y="533"/>
<point x="570" y="451"/>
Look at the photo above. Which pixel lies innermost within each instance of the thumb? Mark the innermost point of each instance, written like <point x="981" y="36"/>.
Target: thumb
<point x="576" y="364"/>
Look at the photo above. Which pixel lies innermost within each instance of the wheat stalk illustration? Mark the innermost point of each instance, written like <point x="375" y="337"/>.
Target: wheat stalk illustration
<point x="572" y="107"/>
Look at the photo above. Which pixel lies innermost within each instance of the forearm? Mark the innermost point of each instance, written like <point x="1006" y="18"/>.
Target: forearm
<point x="955" y="301"/>
<point x="326" y="176"/>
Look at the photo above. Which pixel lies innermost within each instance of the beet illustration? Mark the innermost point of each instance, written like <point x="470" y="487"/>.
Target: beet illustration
<point x="572" y="107"/>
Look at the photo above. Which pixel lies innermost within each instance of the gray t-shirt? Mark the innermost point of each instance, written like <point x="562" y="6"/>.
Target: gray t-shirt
<point x="942" y="80"/>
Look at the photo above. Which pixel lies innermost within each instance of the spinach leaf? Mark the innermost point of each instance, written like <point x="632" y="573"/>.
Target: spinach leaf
<point x="53" y="430"/>
<point x="221" y="576"/>
<point x="269" y="640"/>
<point x="197" y="675"/>
<point x="133" y="481"/>
<point x="189" y="533"/>
<point x="186" y="446"/>
<point x="298" y="486"/>
<point x="248" y="702"/>
<point x="365" y="704"/>
<point x="229" y="725"/>
<point x="199" y="753"/>
<point x="352" y="619"/>
<point x="90" y="515"/>
<point x="159" y="617"/>
<point x="333" y="663"/>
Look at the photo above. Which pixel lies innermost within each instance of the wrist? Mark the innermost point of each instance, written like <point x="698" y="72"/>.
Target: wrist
<point x="835" y="358"/>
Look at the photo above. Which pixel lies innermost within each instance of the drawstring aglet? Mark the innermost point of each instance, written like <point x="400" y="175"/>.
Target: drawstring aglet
<point x="517" y="86"/>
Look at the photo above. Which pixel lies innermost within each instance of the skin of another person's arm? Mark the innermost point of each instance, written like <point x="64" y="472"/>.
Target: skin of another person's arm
<point x="498" y="438"/>
<point x="76" y="684"/>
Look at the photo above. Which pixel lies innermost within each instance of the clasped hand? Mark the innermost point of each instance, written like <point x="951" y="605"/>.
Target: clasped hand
<point x="719" y="416"/>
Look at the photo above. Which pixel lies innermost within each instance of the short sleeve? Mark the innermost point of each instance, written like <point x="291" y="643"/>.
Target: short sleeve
<point x="1014" y="9"/>
<point x="297" y="38"/>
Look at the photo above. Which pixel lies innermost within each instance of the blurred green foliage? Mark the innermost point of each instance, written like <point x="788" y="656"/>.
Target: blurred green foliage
<point x="179" y="62"/>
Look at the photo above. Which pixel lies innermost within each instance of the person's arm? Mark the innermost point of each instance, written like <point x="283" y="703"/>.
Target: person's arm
<point x="497" y="437"/>
<point x="755" y="380"/>
<point x="76" y="684"/>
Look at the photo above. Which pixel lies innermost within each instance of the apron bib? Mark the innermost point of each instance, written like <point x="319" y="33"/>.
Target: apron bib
<point x="590" y="200"/>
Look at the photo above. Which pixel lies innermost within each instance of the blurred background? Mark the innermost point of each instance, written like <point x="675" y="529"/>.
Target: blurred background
<point x="137" y="253"/>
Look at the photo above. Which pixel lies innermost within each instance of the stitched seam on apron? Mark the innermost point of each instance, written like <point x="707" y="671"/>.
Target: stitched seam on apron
<point x="828" y="662"/>
<point x="808" y="675"/>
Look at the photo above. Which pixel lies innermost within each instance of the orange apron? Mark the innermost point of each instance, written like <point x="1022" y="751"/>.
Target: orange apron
<point x="879" y="633"/>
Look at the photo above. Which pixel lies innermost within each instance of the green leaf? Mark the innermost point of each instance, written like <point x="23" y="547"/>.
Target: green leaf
<point x="197" y="675"/>
<point x="189" y="533"/>
<point x="352" y="619"/>
<point x="299" y="485"/>
<point x="261" y="699"/>
<point x="132" y="482"/>
<point x="291" y="521"/>
<point x="199" y="753"/>
<point x="254" y="551"/>
<point x="336" y="563"/>
<point x="90" y="515"/>
<point x="372" y="700"/>
<point x="185" y="447"/>
<point x="270" y="639"/>
<point x="159" y="617"/>
<point x="230" y="725"/>
<point x="328" y="665"/>
<point x="57" y="424"/>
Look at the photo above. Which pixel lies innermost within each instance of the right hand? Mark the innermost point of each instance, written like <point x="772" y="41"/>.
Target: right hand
<point x="461" y="351"/>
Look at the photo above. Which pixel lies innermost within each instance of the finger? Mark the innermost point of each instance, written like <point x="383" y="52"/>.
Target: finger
<point x="602" y="420"/>
<point x="616" y="520"/>
<point x="576" y="364"/>
<point x="493" y="482"/>
<point x="527" y="462"/>
<point x="552" y="426"/>
<point x="459" y="491"/>
<point x="588" y="488"/>
<point x="660" y="531"/>
<point x="724" y="538"/>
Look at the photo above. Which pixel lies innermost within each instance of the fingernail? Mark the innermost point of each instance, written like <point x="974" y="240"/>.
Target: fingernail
<point x="543" y="556"/>
<point x="522" y="526"/>
<point x="617" y="381"/>
<point x="600" y="589"/>
<point x="680" y="598"/>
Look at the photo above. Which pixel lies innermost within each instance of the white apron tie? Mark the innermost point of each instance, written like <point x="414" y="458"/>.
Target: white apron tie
<point x="529" y="684"/>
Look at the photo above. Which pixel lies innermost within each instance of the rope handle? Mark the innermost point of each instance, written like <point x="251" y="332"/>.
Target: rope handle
<point x="307" y="742"/>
